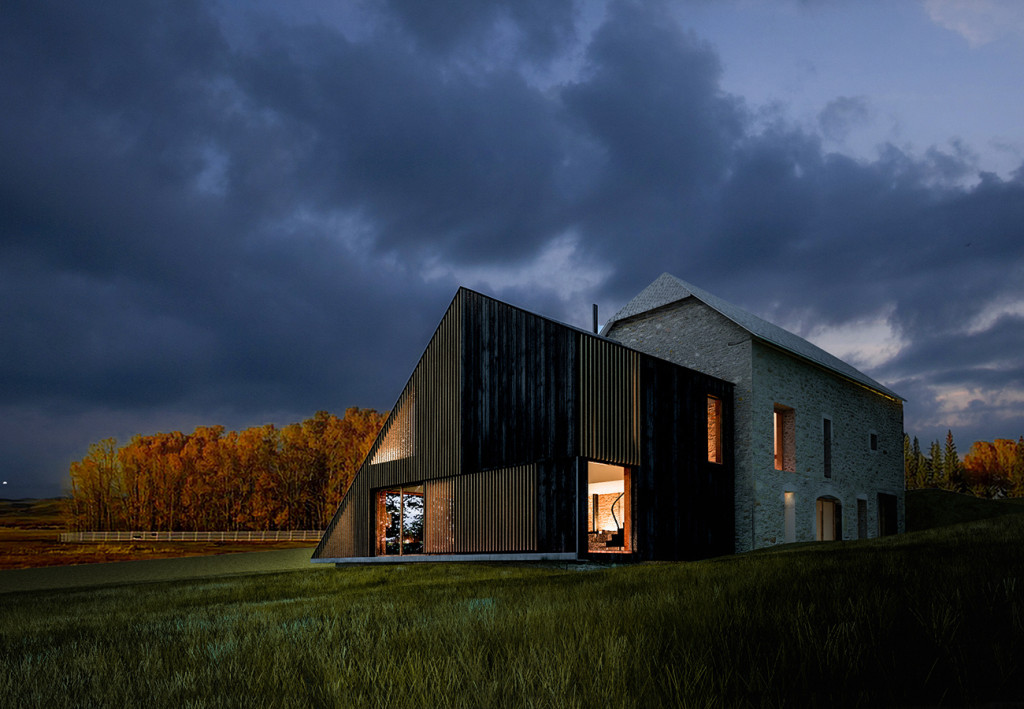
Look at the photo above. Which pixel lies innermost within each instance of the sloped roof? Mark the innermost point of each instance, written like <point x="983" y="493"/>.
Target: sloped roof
<point x="668" y="289"/>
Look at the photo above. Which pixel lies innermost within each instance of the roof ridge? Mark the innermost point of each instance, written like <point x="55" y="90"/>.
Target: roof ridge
<point x="668" y="289"/>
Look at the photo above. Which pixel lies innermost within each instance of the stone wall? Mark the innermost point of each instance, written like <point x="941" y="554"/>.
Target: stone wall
<point x="855" y="412"/>
<point x="605" y="519"/>
<point x="694" y="335"/>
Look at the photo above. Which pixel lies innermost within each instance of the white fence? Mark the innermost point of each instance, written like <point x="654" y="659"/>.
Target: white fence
<point x="298" y="535"/>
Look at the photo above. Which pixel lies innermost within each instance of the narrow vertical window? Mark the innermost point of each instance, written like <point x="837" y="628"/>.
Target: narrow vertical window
<point x="826" y="440"/>
<point x="888" y="514"/>
<point x="784" y="425"/>
<point x="873" y="441"/>
<point x="714" y="429"/>
<point x="777" y="427"/>
<point x="790" y="516"/>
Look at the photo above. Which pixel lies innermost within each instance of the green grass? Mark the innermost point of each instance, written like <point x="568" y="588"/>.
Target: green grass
<point x="930" y="618"/>
<point x="927" y="509"/>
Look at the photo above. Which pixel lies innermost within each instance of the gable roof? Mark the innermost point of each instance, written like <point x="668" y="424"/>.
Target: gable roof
<point x="668" y="289"/>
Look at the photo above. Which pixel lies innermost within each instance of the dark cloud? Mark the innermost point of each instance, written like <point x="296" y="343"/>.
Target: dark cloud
<point x="229" y="217"/>
<point x="533" y="29"/>
<point x="650" y="106"/>
<point x="842" y="114"/>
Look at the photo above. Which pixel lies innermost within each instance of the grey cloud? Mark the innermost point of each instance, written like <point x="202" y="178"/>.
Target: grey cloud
<point x="540" y="28"/>
<point x="841" y="114"/>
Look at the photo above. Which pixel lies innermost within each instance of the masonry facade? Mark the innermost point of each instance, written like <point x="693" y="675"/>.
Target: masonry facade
<point x="818" y="445"/>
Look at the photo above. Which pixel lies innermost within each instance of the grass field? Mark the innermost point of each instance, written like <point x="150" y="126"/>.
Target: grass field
<point x="30" y="537"/>
<point x="931" y="618"/>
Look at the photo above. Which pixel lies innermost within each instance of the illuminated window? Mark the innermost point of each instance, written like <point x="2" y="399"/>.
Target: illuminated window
<point x="784" y="425"/>
<point x="714" y="429"/>
<point x="790" y="516"/>
<point x="398" y="435"/>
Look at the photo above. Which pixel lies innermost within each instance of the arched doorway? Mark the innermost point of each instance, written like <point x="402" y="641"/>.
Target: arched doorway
<point x="830" y="519"/>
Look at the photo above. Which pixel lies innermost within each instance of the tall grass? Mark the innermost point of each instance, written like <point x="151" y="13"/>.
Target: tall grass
<point x="933" y="618"/>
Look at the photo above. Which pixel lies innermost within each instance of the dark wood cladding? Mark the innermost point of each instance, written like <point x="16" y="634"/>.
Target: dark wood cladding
<point x="683" y="502"/>
<point x="557" y="492"/>
<point x="519" y="386"/>
<point x="499" y="419"/>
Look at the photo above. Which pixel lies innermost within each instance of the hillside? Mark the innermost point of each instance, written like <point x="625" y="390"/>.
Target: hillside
<point x="927" y="509"/>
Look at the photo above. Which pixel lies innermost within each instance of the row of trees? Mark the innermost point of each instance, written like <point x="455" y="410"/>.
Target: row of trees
<point x="990" y="469"/>
<point x="260" y="478"/>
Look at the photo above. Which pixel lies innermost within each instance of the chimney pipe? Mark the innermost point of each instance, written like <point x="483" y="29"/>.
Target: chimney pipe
<point x="595" y="318"/>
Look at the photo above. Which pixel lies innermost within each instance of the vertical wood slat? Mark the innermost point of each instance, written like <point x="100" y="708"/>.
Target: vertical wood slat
<point x="609" y="402"/>
<point x="487" y="512"/>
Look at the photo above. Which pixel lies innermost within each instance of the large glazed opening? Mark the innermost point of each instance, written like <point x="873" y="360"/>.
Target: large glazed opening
<point x="400" y="521"/>
<point x="608" y="508"/>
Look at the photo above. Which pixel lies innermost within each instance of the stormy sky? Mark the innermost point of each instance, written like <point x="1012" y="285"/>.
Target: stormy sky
<point x="243" y="212"/>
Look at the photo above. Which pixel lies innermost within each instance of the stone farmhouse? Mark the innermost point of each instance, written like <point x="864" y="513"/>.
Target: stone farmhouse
<point x="818" y="444"/>
<point x="688" y="428"/>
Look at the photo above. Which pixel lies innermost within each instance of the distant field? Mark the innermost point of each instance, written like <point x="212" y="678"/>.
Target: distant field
<point x="931" y="618"/>
<point x="40" y="514"/>
<point x="30" y="537"/>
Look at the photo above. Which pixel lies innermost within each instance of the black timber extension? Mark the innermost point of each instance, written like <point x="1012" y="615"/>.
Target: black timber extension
<point x="488" y="448"/>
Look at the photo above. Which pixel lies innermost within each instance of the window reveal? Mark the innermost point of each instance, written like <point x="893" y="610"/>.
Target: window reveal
<point x="714" y="430"/>
<point x="826" y="439"/>
<point x="784" y="424"/>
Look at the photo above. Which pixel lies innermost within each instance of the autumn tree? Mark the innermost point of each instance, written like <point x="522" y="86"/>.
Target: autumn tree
<point x="259" y="478"/>
<point x="989" y="467"/>
<point x="95" y="487"/>
<point x="1017" y="469"/>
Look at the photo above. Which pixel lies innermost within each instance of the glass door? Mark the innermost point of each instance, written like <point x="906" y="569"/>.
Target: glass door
<point x="400" y="521"/>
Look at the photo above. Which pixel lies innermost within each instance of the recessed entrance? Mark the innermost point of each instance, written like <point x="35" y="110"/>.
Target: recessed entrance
<point x="830" y="519"/>
<point x="608" y="508"/>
